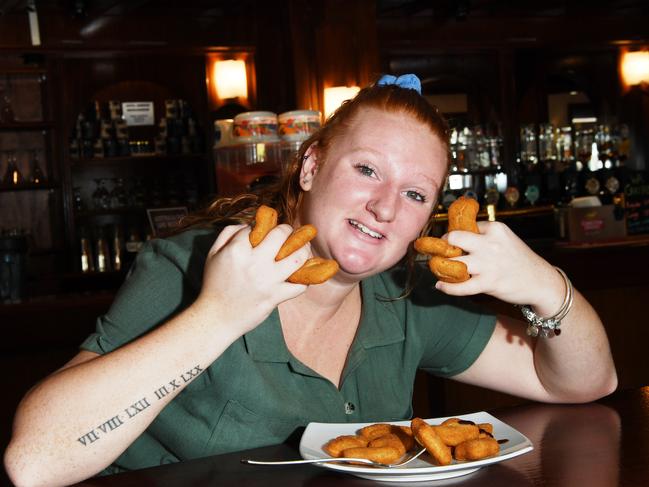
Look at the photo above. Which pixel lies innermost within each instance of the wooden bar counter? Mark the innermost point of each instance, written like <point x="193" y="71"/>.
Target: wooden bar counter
<point x="601" y="444"/>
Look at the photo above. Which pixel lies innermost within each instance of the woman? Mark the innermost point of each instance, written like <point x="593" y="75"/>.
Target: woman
<point x="208" y="349"/>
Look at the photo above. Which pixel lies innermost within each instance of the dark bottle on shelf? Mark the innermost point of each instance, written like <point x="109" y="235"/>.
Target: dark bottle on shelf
<point x="530" y="183"/>
<point x="570" y="187"/>
<point x="551" y="184"/>
<point x="12" y="176"/>
<point x="86" y="258"/>
<point x="118" y="249"/>
<point x="103" y="253"/>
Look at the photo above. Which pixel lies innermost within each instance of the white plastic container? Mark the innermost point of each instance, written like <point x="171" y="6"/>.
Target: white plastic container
<point x="298" y="125"/>
<point x="255" y="127"/>
<point x="223" y="132"/>
<point x="242" y="167"/>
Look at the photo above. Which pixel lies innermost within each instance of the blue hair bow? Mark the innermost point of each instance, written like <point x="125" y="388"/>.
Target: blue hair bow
<point x="408" y="81"/>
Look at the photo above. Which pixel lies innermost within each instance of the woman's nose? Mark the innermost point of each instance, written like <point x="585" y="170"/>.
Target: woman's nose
<point x="383" y="206"/>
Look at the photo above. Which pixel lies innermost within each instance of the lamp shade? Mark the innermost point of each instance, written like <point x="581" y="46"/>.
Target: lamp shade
<point x="230" y="79"/>
<point x="635" y="67"/>
<point x="335" y="95"/>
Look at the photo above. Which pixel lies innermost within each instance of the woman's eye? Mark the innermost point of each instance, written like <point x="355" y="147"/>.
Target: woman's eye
<point x="415" y="195"/>
<point x="365" y="170"/>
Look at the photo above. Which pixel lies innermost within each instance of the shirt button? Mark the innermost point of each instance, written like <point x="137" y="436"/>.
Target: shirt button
<point x="349" y="407"/>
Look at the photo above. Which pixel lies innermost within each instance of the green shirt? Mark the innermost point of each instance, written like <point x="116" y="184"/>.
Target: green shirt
<point x="257" y="393"/>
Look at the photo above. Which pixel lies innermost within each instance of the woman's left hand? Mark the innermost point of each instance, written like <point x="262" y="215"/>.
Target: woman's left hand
<point x="503" y="266"/>
<point x="553" y="370"/>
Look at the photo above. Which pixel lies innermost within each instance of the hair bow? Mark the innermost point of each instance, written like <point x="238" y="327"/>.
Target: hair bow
<point x="407" y="81"/>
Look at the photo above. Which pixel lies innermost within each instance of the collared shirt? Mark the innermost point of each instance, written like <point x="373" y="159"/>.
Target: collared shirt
<point x="257" y="393"/>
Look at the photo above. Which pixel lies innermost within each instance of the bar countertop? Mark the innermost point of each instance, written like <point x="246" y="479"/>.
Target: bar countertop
<point x="601" y="444"/>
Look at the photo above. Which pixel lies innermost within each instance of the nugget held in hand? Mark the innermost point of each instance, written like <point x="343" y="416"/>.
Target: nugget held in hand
<point x="315" y="270"/>
<point x="437" y="246"/>
<point x="448" y="270"/>
<point x="265" y="221"/>
<point x="336" y="446"/>
<point x="296" y="240"/>
<point x="461" y="216"/>
<point x="476" y="449"/>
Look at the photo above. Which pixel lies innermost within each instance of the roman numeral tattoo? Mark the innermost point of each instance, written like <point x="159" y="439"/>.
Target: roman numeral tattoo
<point x="137" y="407"/>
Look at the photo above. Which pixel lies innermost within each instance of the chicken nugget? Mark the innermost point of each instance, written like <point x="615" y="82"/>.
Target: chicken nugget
<point x="375" y="430"/>
<point x="296" y="240"/>
<point x="487" y="427"/>
<point x="316" y="270"/>
<point x="380" y="454"/>
<point x="265" y="221"/>
<point x="336" y="446"/>
<point x="426" y="436"/>
<point x="455" y="433"/>
<point x="462" y="215"/>
<point x="476" y="449"/>
<point x="404" y="433"/>
<point x="451" y="421"/>
<point x="448" y="270"/>
<point x="436" y="246"/>
<point x="390" y="439"/>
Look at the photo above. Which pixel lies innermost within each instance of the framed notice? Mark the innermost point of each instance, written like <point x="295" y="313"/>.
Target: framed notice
<point x="636" y="194"/>
<point x="165" y="220"/>
<point x="138" y="113"/>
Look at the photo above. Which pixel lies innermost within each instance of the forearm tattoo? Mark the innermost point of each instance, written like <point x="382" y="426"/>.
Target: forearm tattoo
<point x="137" y="407"/>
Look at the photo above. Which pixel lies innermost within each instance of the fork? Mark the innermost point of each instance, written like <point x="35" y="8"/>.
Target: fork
<point x="403" y="461"/>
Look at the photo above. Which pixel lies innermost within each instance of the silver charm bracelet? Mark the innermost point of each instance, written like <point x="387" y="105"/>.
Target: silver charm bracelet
<point x="546" y="327"/>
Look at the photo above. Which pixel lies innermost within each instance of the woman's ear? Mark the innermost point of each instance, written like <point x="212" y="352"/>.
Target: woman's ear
<point x="309" y="167"/>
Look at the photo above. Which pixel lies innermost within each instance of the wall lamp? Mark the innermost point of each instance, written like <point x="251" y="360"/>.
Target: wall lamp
<point x="336" y="95"/>
<point x="634" y="67"/>
<point x="230" y="78"/>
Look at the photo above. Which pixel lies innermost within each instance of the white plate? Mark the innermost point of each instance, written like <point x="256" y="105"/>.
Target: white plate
<point x="316" y="435"/>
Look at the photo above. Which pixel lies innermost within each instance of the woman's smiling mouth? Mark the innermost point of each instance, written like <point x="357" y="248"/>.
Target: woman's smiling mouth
<point x="365" y="230"/>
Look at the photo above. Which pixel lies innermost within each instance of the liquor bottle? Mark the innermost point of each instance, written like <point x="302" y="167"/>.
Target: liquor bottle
<point x="551" y="184"/>
<point x="13" y="176"/>
<point x="531" y="183"/>
<point x="570" y="178"/>
<point x="118" y="249"/>
<point x="103" y="253"/>
<point x="87" y="260"/>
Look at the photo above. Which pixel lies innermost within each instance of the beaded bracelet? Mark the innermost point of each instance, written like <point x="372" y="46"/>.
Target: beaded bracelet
<point x="545" y="327"/>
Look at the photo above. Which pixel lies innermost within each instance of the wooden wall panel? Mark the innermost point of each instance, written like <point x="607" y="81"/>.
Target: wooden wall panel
<point x="335" y="43"/>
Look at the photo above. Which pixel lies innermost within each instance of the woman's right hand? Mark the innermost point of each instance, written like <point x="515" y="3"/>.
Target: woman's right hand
<point x="247" y="283"/>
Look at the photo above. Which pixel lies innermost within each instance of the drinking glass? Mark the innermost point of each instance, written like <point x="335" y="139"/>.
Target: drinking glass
<point x="119" y="196"/>
<point x="37" y="176"/>
<point x="13" y="176"/>
<point x="100" y="196"/>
